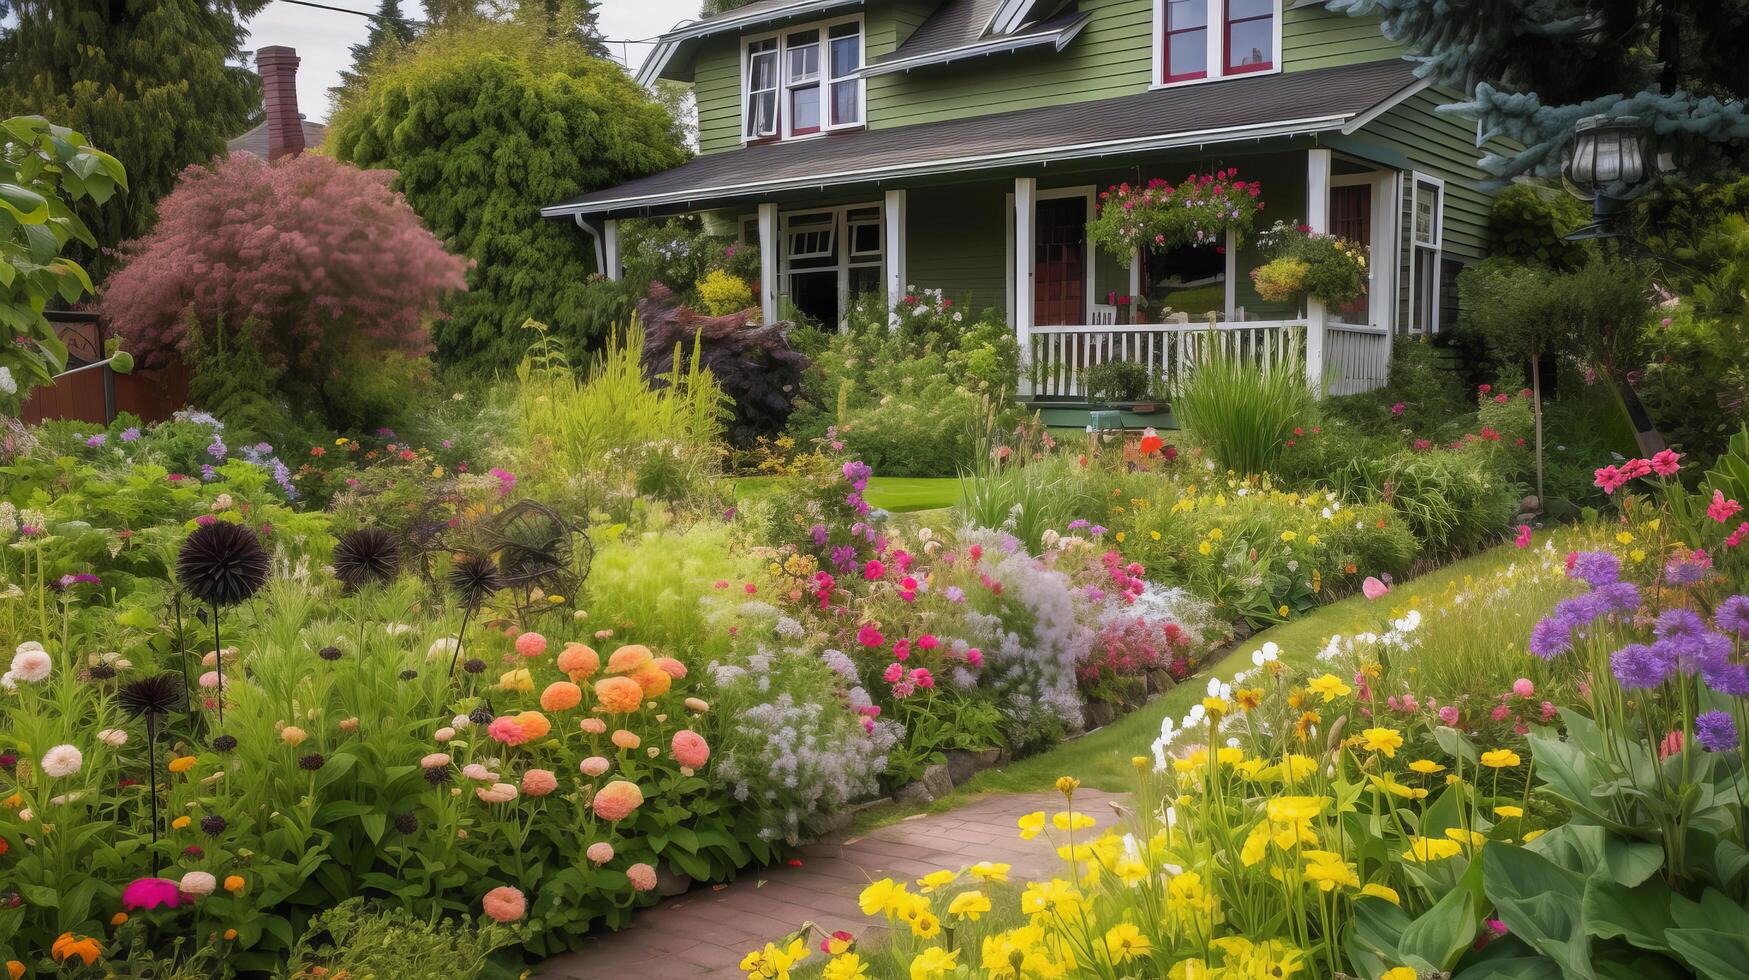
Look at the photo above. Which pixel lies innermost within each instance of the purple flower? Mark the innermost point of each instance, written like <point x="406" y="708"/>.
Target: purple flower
<point x="207" y="472"/>
<point x="844" y="556"/>
<point x="217" y="450"/>
<point x="1680" y="572"/>
<point x="1727" y="678"/>
<point x="97" y="440"/>
<point x="1715" y="731"/>
<point x="857" y="472"/>
<point x="130" y="434"/>
<point x="819" y="533"/>
<point x="1639" y="666"/>
<point x="1617" y="597"/>
<point x="1579" y="611"/>
<point x="1679" y="624"/>
<point x="1596" y="568"/>
<point x="954" y="593"/>
<point x="1077" y="524"/>
<point x="1550" y="638"/>
<point x="1733" y="615"/>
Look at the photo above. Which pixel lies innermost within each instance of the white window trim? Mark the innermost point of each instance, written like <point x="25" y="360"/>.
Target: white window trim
<point x="1088" y="191"/>
<point x="1217" y="54"/>
<point x="841" y="232"/>
<point x="784" y="120"/>
<point x="1378" y="274"/>
<point x="1416" y="180"/>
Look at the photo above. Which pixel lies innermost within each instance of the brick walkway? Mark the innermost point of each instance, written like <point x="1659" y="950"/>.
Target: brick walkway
<point x="705" y="932"/>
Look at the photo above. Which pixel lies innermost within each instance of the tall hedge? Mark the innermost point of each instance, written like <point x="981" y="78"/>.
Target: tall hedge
<point x="485" y="124"/>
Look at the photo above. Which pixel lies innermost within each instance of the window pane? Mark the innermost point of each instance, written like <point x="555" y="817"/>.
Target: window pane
<point x="1187" y="54"/>
<point x="1239" y="9"/>
<point x="865" y="239"/>
<point x="846" y="55"/>
<point x="765" y="113"/>
<point x="805" y="108"/>
<point x="1251" y="43"/>
<point x="804" y="62"/>
<point x="846" y="108"/>
<point x="1181" y="14"/>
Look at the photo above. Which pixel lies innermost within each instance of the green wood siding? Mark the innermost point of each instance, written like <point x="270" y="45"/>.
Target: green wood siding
<point x="956" y="239"/>
<point x="716" y="84"/>
<point x="1314" y="37"/>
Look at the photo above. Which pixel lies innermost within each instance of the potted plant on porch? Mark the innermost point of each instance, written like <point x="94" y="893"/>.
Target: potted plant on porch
<point x="1125" y="385"/>
<point x="1302" y="263"/>
<point x="1158" y="215"/>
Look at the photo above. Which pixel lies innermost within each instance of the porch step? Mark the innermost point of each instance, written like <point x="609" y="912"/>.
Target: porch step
<point x="1060" y="415"/>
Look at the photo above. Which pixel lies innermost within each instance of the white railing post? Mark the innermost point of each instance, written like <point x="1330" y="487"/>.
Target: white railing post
<point x="893" y="227"/>
<point x="1318" y="218"/>
<point x="768" y="263"/>
<point x="1025" y="198"/>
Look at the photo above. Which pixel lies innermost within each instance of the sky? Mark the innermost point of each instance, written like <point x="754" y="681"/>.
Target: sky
<point x="323" y="38"/>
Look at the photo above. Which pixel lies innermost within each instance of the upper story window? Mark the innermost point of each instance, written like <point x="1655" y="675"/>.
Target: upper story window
<point x="802" y="81"/>
<point x="1208" y="39"/>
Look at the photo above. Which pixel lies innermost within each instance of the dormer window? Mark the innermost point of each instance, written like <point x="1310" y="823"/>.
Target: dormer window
<point x="1200" y="40"/>
<point x="802" y="81"/>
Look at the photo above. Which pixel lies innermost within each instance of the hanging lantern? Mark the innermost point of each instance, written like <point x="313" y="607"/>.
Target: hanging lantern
<point x="1607" y="151"/>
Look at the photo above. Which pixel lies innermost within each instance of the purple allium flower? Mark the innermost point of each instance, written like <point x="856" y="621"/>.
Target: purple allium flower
<point x="1578" y="612"/>
<point x="1679" y="624"/>
<point x="1679" y="572"/>
<point x="1639" y="666"/>
<point x="1077" y="524"/>
<point x="1715" y="731"/>
<point x="1732" y="615"/>
<point x="1596" y="568"/>
<point x="97" y="440"/>
<point x="130" y="434"/>
<point x="1727" y="678"/>
<point x="1617" y="597"/>
<point x="1550" y="638"/>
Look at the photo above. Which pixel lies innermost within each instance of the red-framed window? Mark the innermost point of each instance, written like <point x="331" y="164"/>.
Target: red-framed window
<point x="1250" y="36"/>
<point x="1185" y="48"/>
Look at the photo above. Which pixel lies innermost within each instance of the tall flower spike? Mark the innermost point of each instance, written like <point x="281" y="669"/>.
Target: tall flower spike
<point x="366" y="556"/>
<point x="222" y="564"/>
<point x="473" y="579"/>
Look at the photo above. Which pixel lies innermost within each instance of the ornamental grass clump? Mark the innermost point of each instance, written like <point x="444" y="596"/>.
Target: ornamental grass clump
<point x="1243" y="412"/>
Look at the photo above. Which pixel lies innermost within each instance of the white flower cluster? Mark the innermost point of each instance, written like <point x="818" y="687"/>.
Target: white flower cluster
<point x="1171" y="730"/>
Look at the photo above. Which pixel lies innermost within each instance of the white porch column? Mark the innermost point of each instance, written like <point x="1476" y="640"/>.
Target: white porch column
<point x="768" y="263"/>
<point x="1318" y="218"/>
<point x="1025" y="207"/>
<point x="610" y="264"/>
<point x="893" y="228"/>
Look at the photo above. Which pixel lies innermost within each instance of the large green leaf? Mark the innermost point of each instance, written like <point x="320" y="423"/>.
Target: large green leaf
<point x="1436" y="939"/>
<point x="1541" y="903"/>
<point x="1639" y="914"/>
<point x="1713" y="955"/>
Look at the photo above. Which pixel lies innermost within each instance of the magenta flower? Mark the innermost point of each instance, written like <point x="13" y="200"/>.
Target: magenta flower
<point x="870" y="636"/>
<point x="1722" y="508"/>
<point x="1523" y="539"/>
<point x="1666" y="463"/>
<point x="873" y="569"/>
<point x="150" y="893"/>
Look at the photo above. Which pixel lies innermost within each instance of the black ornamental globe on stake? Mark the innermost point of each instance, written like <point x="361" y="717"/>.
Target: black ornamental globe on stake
<point x="221" y="564"/>
<point x="1608" y="159"/>
<point x="472" y="579"/>
<point x="151" y="698"/>
<point x="367" y="556"/>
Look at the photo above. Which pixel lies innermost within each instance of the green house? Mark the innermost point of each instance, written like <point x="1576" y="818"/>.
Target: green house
<point x="883" y="145"/>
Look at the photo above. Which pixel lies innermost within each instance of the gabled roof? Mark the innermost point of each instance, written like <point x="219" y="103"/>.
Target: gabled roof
<point x="1243" y="108"/>
<point x="748" y="15"/>
<point x="957" y="30"/>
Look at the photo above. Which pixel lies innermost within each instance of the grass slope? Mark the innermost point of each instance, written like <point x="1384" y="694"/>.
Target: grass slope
<point x="897" y="494"/>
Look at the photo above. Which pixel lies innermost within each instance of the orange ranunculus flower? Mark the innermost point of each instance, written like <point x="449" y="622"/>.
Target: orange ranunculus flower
<point x="561" y="695"/>
<point x="533" y="724"/>
<point x="234" y="883"/>
<point x="618" y="695"/>
<point x="674" y="668"/>
<point x="14" y="969"/>
<point x="68" y="946"/>
<point x="182" y="763"/>
<point x="579" y="661"/>
<point x="654" y="680"/>
<point x="628" y="658"/>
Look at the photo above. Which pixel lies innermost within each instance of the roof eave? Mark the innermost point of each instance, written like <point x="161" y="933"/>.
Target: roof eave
<point x="1134" y="144"/>
<point x="670" y="43"/>
<point x="1058" y="38"/>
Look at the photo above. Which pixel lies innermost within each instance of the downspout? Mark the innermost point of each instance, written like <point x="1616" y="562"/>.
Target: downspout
<point x="595" y="237"/>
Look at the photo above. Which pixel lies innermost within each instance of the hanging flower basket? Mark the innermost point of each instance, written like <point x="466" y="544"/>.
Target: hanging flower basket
<point x="1200" y="210"/>
<point x="1307" y="263"/>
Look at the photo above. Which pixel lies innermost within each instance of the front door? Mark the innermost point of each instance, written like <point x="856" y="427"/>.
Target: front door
<point x="1351" y="218"/>
<point x="1060" y="264"/>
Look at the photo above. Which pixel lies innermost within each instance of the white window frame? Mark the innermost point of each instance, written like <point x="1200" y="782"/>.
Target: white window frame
<point x="1217" y="47"/>
<point x="1088" y="192"/>
<point x="823" y="79"/>
<point x="841" y="231"/>
<point x="1420" y="184"/>
<point x="747" y="90"/>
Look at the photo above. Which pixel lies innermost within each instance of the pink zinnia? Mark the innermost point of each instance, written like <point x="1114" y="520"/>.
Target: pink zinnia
<point x="690" y="749"/>
<point x="504" y="904"/>
<point x="901" y="649"/>
<point x="600" y="852"/>
<point x="531" y="644"/>
<point x="642" y="876"/>
<point x="870" y="636"/>
<point x="1722" y="508"/>
<point x="539" y="782"/>
<point x="150" y="893"/>
<point x="975" y="657"/>
<point x="505" y="729"/>
<point x="927" y="642"/>
<point x="922" y="677"/>
<point x="873" y="569"/>
<point x="1524" y="687"/>
<point x="595" y="765"/>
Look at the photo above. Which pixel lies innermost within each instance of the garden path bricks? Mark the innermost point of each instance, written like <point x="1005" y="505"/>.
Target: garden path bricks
<point x="705" y="932"/>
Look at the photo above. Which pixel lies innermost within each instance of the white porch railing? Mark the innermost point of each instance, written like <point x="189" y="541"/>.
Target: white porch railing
<point x="1057" y="357"/>
<point x="1357" y="357"/>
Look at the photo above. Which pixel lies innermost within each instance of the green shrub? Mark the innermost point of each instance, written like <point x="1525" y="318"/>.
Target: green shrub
<point x="1242" y="412"/>
<point x="1454" y="501"/>
<point x="1696" y="380"/>
<point x="1529" y="224"/>
<point x="1118" y="381"/>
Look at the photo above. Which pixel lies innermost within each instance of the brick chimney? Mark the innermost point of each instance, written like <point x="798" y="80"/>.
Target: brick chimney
<point x="279" y="84"/>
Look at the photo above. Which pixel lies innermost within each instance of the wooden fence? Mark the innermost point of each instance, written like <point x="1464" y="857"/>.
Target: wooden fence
<point x="97" y="396"/>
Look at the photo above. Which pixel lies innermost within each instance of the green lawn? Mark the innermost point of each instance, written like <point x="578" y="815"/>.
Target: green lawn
<point x="1102" y="759"/>
<point x="896" y="494"/>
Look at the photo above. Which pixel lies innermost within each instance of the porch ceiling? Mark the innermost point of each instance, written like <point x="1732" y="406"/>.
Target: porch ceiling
<point x="1246" y="108"/>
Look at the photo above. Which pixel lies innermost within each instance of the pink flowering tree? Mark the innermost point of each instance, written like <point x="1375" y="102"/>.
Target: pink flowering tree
<point x="320" y="258"/>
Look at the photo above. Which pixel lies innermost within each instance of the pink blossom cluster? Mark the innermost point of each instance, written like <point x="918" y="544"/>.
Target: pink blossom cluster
<point x="1613" y="478"/>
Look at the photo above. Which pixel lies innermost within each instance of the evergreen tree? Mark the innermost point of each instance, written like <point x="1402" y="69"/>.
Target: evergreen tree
<point x="484" y="125"/>
<point x="1533" y="68"/>
<point x="450" y="13"/>
<point x="390" y="31"/>
<point x="157" y="83"/>
<point x="576" y="21"/>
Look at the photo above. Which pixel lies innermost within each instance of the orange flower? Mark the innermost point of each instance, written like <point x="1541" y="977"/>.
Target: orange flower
<point x="4" y="847"/>
<point x="672" y="667"/>
<point x="230" y="934"/>
<point x="628" y="658"/>
<point x="182" y="763"/>
<point x="561" y="695"/>
<point x="68" y="946"/>
<point x="618" y="695"/>
<point x="579" y="661"/>
<point x="654" y="680"/>
<point x="617" y="800"/>
<point x="14" y="969"/>
<point x="626" y="740"/>
<point x="118" y="918"/>
<point x="533" y="724"/>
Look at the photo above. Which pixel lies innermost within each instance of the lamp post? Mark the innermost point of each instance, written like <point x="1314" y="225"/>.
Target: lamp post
<point x="1607" y="154"/>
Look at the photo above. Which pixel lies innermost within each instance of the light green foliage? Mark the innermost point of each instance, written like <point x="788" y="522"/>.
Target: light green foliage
<point x="354" y="937"/>
<point x="1595" y="313"/>
<point x="1528" y="223"/>
<point x="43" y="168"/>
<point x="1453" y="501"/>
<point x="660" y="584"/>
<point x="486" y="124"/>
<point x="1242" y="412"/>
<point x="721" y="293"/>
<point x="161" y="87"/>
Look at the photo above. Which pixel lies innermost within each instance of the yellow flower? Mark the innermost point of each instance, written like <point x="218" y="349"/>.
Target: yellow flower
<point x="1637" y="555"/>
<point x="1533" y="835"/>
<point x="1625" y="537"/>
<point x="517" y="680"/>
<point x="1329" y="687"/>
<point x="1387" y="783"/>
<point x="933" y="962"/>
<point x="1386" y="740"/>
<point x="1205" y="548"/>
<point x="1430" y="849"/>
<point x="845" y="966"/>
<point x="925" y="925"/>
<point x="1509" y="811"/>
<point x="1070" y="820"/>
<point x="968" y="905"/>
<point x="1385" y="892"/>
<point x="1312" y="539"/>
<point x="1031" y="824"/>
<point x="1154" y="534"/>
<point x="1119" y="534"/>
<point x="877" y="898"/>
<point x="1067" y="785"/>
<point x="1500" y="758"/>
<point x="1042" y="897"/>
<point x="936" y="879"/>
<point x="1125" y="942"/>
<point x="1400" y="973"/>
<point x="182" y="763"/>
<point x="1463" y="836"/>
<point x="990" y="871"/>
<point x="181" y="823"/>
<point x="1281" y="611"/>
<point x="1288" y="535"/>
<point x="1426" y="767"/>
<point x="1327" y="870"/>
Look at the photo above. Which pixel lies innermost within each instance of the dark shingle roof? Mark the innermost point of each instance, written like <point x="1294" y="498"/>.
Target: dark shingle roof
<point x="1238" y="108"/>
<point x="954" y="23"/>
<point x="255" y="140"/>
